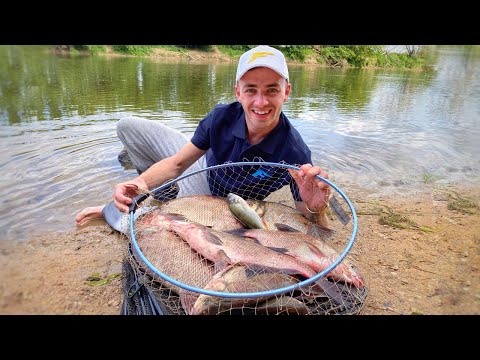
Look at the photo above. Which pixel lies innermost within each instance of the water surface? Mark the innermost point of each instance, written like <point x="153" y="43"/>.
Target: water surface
<point x="385" y="130"/>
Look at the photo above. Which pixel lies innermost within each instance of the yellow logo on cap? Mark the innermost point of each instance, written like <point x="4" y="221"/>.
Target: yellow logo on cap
<point x="259" y="54"/>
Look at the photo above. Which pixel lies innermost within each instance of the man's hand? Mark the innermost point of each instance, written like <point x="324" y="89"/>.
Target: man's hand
<point x="314" y="193"/>
<point x="123" y="193"/>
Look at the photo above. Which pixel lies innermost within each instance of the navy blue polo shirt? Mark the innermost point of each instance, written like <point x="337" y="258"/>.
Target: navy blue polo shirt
<point x="223" y="134"/>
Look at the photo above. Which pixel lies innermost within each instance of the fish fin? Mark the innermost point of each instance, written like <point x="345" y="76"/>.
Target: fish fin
<point x="238" y="232"/>
<point x="187" y="300"/>
<point x="214" y="239"/>
<point x="320" y="232"/>
<point x="219" y="266"/>
<point x="335" y="293"/>
<point x="174" y="216"/>
<point x="243" y="233"/>
<point x="258" y="206"/>
<point x="250" y="272"/>
<point x="265" y="224"/>
<point x="223" y="263"/>
<point x="284" y="227"/>
<point x="278" y="249"/>
<point x="315" y="250"/>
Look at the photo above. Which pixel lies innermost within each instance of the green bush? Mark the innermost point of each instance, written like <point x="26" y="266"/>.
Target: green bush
<point x="134" y="49"/>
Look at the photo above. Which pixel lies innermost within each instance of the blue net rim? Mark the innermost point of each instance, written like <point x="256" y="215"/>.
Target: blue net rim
<point x="266" y="293"/>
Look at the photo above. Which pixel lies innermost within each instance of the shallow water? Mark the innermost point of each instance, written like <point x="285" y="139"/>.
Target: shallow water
<point x="387" y="130"/>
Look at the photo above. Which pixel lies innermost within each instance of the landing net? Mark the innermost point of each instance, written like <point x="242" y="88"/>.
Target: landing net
<point x="293" y="266"/>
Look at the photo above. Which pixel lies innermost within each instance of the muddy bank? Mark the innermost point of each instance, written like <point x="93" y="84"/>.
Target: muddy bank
<point x="420" y="254"/>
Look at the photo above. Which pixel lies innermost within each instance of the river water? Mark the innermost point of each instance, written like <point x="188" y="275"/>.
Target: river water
<point x="385" y="131"/>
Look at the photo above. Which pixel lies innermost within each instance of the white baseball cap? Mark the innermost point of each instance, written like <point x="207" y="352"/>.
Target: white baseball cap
<point x="262" y="55"/>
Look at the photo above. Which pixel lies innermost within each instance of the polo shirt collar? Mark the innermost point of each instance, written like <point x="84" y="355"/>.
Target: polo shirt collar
<point x="268" y="144"/>
<point x="240" y="127"/>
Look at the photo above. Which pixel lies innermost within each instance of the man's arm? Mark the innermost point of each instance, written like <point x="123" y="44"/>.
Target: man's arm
<point x="160" y="172"/>
<point x="170" y="168"/>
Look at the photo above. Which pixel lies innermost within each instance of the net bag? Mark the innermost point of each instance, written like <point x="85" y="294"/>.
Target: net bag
<point x="199" y="252"/>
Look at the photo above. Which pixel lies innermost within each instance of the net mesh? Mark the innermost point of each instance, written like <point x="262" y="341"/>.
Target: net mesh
<point x="291" y="249"/>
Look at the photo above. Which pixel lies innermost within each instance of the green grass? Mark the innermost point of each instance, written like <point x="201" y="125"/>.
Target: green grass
<point x="96" y="280"/>
<point x="428" y="178"/>
<point x="170" y="48"/>
<point x="461" y="204"/>
<point x="233" y="50"/>
<point x="396" y="220"/>
<point x="138" y="50"/>
<point x="399" y="221"/>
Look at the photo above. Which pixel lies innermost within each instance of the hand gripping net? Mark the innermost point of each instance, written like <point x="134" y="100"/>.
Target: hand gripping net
<point x="249" y="271"/>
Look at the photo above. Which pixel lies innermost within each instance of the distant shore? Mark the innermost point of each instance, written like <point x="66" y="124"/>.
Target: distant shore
<point x="360" y="56"/>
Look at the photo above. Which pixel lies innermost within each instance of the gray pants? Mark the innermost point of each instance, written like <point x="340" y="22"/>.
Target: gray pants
<point x="147" y="142"/>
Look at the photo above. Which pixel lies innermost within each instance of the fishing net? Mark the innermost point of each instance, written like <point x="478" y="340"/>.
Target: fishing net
<point x="190" y="254"/>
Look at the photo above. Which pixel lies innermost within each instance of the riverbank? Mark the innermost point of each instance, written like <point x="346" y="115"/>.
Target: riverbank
<point x="358" y="56"/>
<point x="432" y="266"/>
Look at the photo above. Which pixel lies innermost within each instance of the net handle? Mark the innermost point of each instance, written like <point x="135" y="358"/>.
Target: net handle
<point x="267" y="293"/>
<point x="137" y="200"/>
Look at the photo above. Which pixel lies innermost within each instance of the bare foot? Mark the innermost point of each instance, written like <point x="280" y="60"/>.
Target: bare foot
<point x="87" y="214"/>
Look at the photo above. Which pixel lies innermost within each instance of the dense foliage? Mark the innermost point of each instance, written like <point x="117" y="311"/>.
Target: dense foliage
<point x="359" y="56"/>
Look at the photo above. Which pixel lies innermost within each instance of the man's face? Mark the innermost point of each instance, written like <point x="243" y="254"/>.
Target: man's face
<point x="262" y="92"/>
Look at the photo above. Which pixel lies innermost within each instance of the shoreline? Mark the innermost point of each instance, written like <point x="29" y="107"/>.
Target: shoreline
<point x="408" y="270"/>
<point x="213" y="56"/>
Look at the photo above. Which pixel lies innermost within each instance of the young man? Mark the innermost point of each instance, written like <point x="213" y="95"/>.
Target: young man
<point x="252" y="127"/>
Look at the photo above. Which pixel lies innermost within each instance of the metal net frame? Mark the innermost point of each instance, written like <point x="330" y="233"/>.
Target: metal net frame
<point x="242" y="287"/>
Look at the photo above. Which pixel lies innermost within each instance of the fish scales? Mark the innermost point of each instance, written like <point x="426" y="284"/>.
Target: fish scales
<point x="272" y="212"/>
<point x="224" y="248"/>
<point x="219" y="246"/>
<point x="238" y="279"/>
<point x="282" y="305"/>
<point x="275" y="214"/>
<point x="208" y="210"/>
<point x="173" y="257"/>
<point x="306" y="249"/>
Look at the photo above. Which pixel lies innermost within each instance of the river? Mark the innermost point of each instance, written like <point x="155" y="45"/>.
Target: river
<point x="388" y="131"/>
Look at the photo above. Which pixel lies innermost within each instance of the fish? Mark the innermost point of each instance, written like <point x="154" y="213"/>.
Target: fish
<point x="172" y="256"/>
<point x="274" y="213"/>
<point x="301" y="247"/>
<point x="330" y="252"/>
<point x="208" y="210"/>
<point x="223" y="248"/>
<point x="282" y="305"/>
<point x="237" y="278"/>
<point x="244" y="212"/>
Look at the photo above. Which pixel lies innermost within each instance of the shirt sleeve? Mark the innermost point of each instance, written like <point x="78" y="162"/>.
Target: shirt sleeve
<point x="201" y="137"/>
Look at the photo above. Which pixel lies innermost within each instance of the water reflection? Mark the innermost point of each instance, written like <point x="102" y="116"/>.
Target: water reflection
<point x="381" y="129"/>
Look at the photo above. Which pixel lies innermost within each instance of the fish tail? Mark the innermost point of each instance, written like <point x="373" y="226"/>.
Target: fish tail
<point x="333" y="291"/>
<point x="320" y="232"/>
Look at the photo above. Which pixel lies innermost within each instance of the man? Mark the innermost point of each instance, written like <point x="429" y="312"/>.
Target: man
<point x="252" y="127"/>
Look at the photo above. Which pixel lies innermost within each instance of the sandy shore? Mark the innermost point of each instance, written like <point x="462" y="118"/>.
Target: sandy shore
<point x="432" y="266"/>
